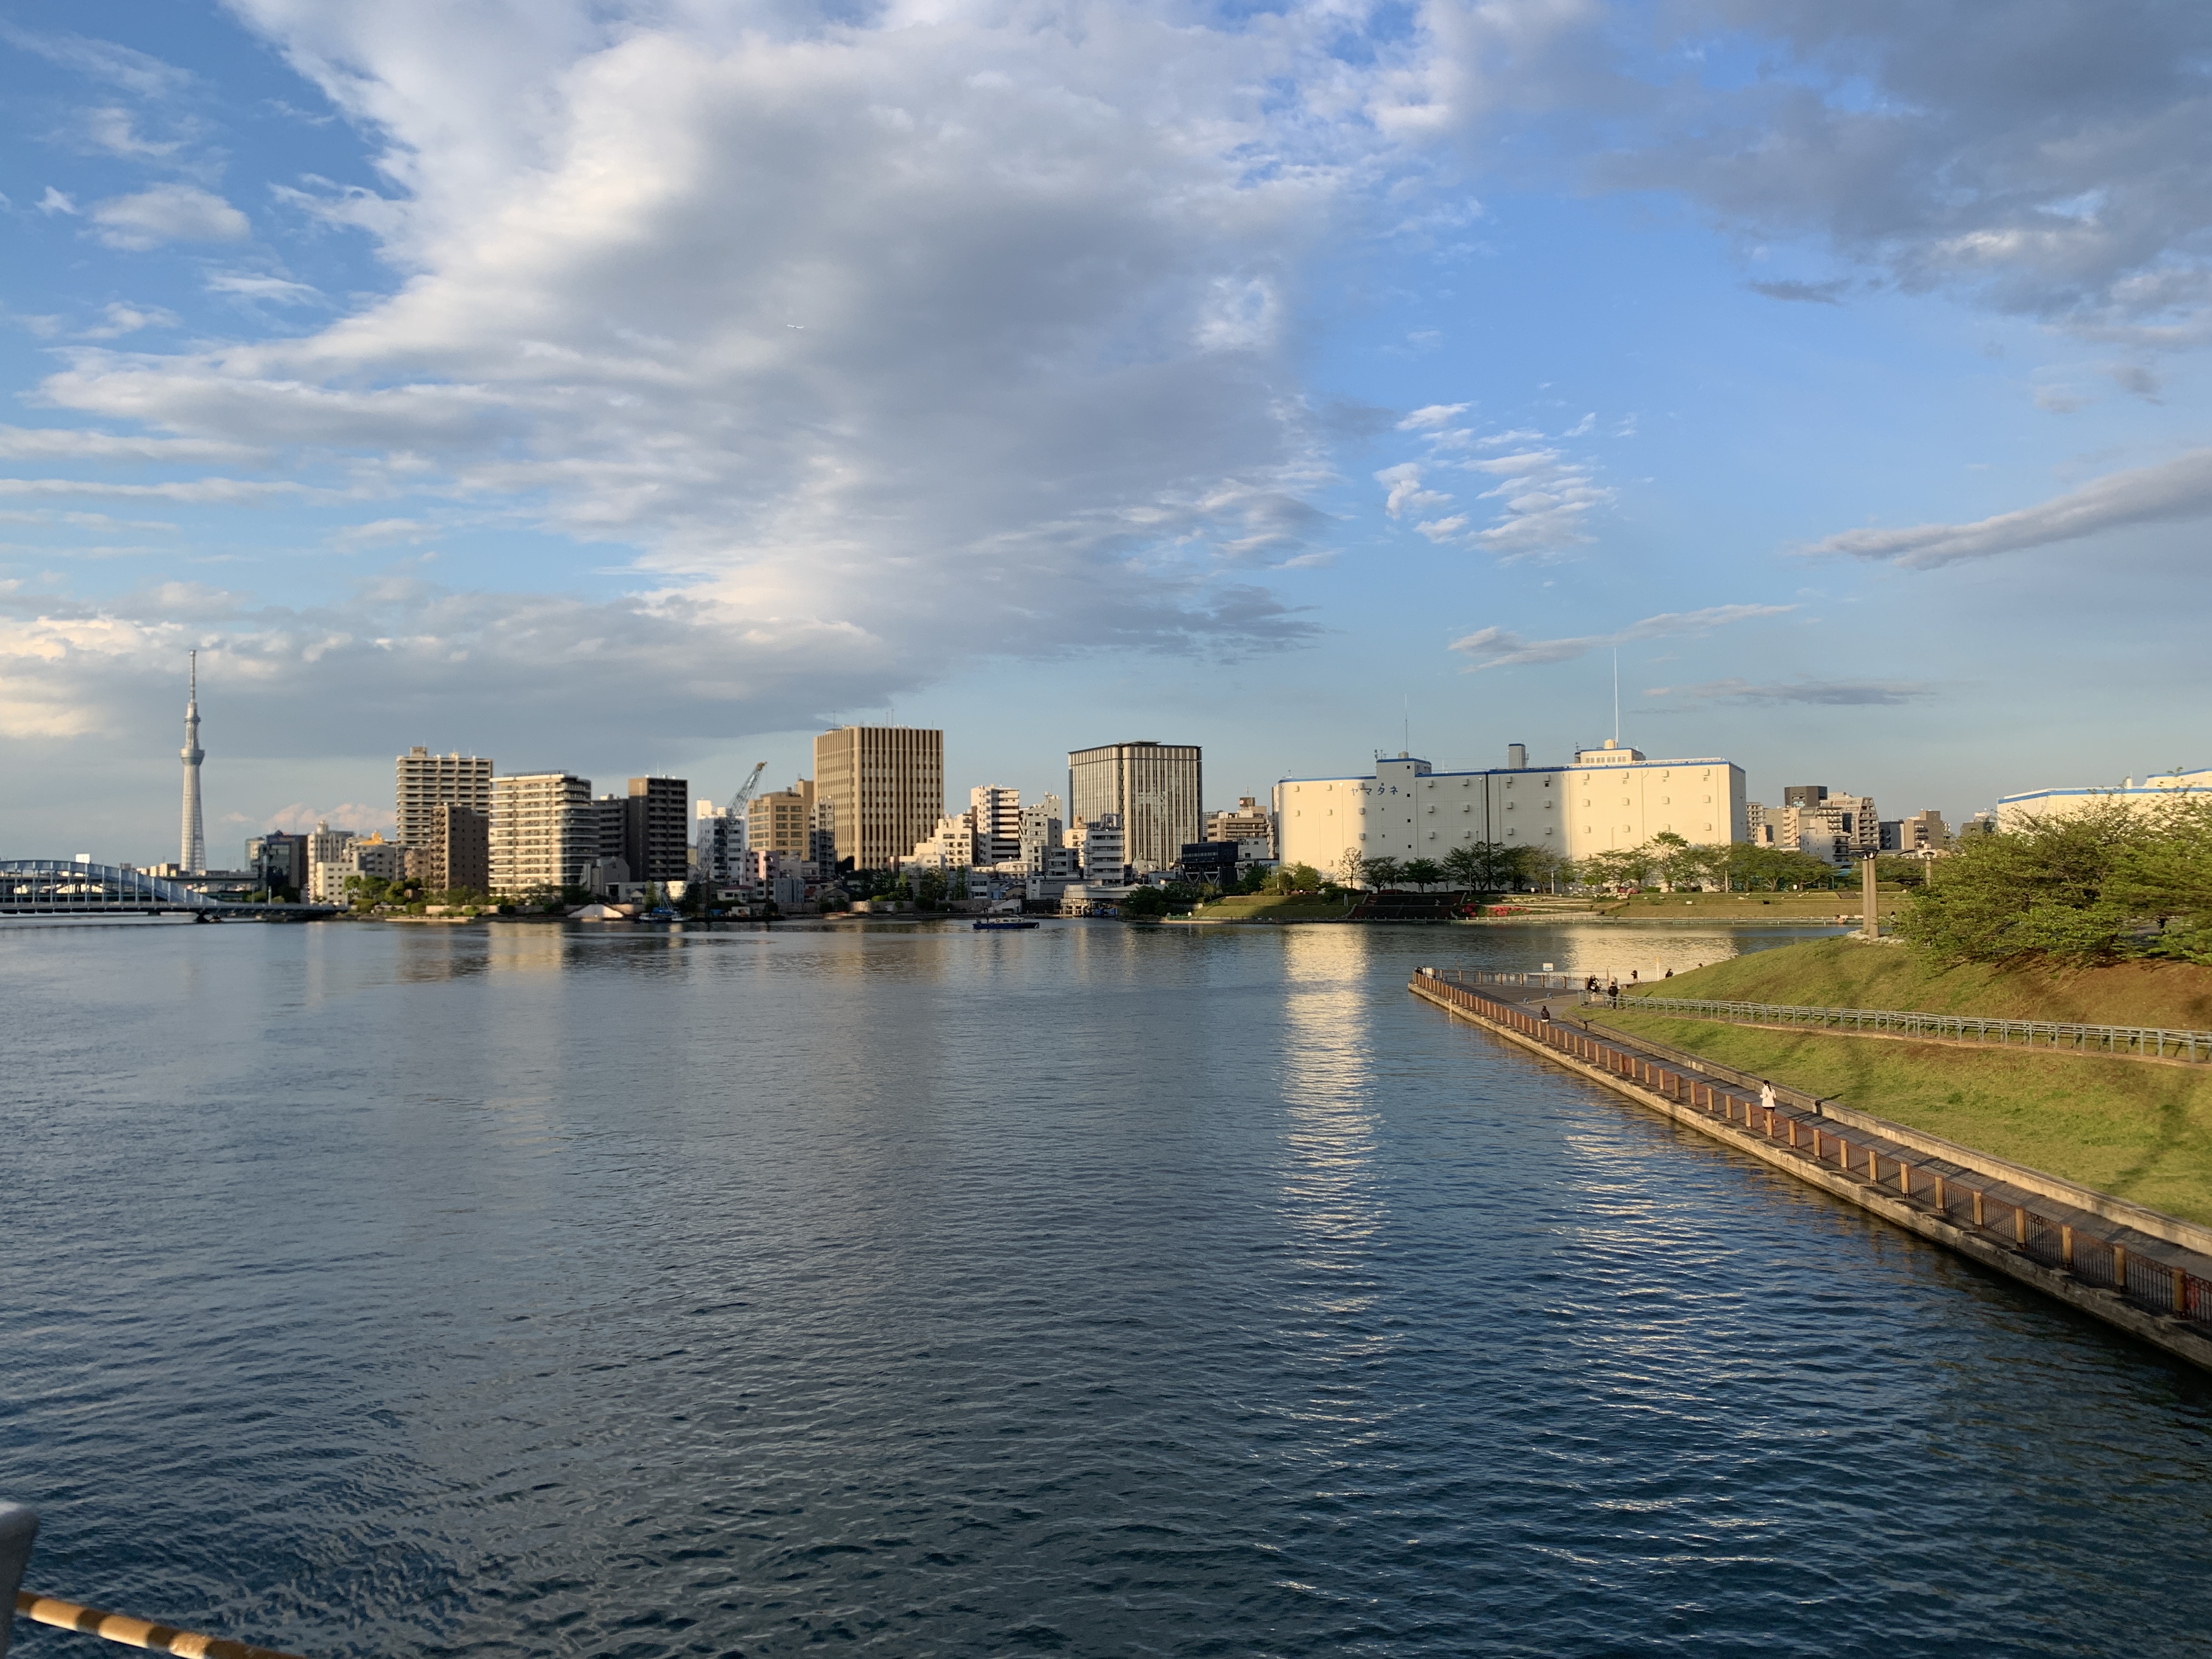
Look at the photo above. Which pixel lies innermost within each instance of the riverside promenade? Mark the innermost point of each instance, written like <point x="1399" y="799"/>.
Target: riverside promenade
<point x="2146" y="1273"/>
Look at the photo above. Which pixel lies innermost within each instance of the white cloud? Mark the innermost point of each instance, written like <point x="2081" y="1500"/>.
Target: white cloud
<point x="168" y="212"/>
<point x="55" y="202"/>
<point x="1433" y="417"/>
<point x="19" y="443"/>
<point x="254" y="285"/>
<point x="129" y="319"/>
<point x="2173" y="490"/>
<point x="1834" y="694"/>
<point x="226" y="492"/>
<point x="962" y="331"/>
<point x="1499" y="648"/>
<point x="115" y="131"/>
<point x="1407" y="494"/>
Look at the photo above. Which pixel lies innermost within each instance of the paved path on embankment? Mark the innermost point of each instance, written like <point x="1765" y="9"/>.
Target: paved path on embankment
<point x="2148" y="1273"/>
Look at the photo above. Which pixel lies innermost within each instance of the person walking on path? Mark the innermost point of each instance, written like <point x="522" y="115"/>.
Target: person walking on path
<point x="1765" y="1096"/>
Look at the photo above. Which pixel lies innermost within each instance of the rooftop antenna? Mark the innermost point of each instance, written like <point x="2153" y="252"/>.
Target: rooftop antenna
<point x="1408" y="712"/>
<point x="1616" y="696"/>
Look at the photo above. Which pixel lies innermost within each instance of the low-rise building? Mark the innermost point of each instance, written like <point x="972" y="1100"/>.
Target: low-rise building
<point x="2161" y="789"/>
<point x="1101" y="849"/>
<point x="951" y="846"/>
<point x="1609" y="798"/>
<point x="1923" y="834"/>
<point x="279" y="862"/>
<point x="1247" y="823"/>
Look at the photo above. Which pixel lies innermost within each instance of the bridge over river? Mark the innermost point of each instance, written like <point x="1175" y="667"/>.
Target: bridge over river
<point x="76" y="887"/>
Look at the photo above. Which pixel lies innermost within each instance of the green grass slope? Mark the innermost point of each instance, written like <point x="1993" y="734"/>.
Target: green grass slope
<point x="2141" y="1131"/>
<point x="1846" y="973"/>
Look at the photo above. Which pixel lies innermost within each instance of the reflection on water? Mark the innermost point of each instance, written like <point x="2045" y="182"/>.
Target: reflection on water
<point x="533" y="1290"/>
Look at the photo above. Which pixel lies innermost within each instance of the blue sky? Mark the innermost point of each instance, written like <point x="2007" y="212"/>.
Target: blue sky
<point x="638" y="387"/>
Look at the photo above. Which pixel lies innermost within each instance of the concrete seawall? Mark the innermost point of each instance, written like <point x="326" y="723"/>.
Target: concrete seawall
<point x="2147" y="1284"/>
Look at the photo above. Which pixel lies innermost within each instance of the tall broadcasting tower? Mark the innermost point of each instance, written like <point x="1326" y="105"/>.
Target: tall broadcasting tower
<point x="194" y="856"/>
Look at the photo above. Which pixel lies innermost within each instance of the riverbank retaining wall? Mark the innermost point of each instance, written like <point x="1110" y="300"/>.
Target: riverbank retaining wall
<point x="2133" y="1268"/>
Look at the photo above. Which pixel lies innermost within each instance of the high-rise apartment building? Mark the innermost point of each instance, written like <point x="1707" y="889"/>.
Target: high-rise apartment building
<point x="996" y="812"/>
<point x="885" y="788"/>
<point x="544" y="832"/>
<point x="1834" y="828"/>
<point x="654" y="842"/>
<point x="783" y="822"/>
<point x="427" y="782"/>
<point x="1154" y="789"/>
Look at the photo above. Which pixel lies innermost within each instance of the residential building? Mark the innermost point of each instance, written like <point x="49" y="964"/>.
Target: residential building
<point x="1246" y="823"/>
<point x="822" y="836"/>
<point x="1609" y="798"/>
<point x="1153" y="791"/>
<point x="2161" y="789"/>
<point x="373" y="856"/>
<point x="427" y="782"/>
<point x="719" y="842"/>
<point x="654" y="844"/>
<point x="1835" y="828"/>
<point x="457" y="853"/>
<point x="279" y="862"/>
<point x="1923" y="833"/>
<point x="952" y="845"/>
<point x="783" y="822"/>
<point x="544" y="828"/>
<point x="1103" y="849"/>
<point x="1041" y="831"/>
<point x="606" y="829"/>
<point x="996" y="812"/>
<point x="885" y="786"/>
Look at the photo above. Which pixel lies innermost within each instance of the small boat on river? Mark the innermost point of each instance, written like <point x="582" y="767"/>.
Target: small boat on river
<point x="1003" y="924"/>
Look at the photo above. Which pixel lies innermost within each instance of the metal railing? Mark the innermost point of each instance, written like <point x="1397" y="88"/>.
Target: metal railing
<point x="2147" y="1273"/>
<point x="2141" y="1041"/>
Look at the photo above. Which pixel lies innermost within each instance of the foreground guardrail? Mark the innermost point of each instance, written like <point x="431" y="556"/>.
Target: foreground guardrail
<point x="2144" y="1270"/>
<point x="2146" y="1042"/>
<point x="18" y="1527"/>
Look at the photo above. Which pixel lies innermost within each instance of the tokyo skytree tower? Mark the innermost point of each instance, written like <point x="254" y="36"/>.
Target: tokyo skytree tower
<point x="193" y="857"/>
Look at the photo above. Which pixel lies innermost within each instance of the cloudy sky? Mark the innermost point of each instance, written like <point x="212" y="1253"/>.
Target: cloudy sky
<point x="639" y="386"/>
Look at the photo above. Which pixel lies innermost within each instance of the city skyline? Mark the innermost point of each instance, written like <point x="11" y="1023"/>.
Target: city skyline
<point x="1483" y="344"/>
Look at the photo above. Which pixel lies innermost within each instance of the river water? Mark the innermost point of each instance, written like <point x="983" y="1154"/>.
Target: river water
<point x="523" y="1290"/>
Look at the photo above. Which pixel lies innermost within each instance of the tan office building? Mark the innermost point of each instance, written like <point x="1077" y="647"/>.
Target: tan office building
<point x="542" y="831"/>
<point x="427" y="782"/>
<point x="783" y="822"/>
<point x="884" y="786"/>
<point x="1154" y="789"/>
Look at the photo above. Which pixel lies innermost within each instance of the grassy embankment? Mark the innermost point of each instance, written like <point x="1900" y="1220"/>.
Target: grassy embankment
<point x="2140" y="1130"/>
<point x="1274" y="907"/>
<point x="1744" y="907"/>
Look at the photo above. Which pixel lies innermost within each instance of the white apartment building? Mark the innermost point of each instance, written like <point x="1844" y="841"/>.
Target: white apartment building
<point x="1103" y="849"/>
<point x="996" y="812"/>
<point x="427" y="781"/>
<point x="2161" y="789"/>
<point x="544" y="832"/>
<point x="1609" y="798"/>
<point x="951" y="846"/>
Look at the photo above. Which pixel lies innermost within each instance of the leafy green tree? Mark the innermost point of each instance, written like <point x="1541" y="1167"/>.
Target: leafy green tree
<point x="1422" y="873"/>
<point x="1475" y="865"/>
<point x="1380" y="873"/>
<point x="1145" y="904"/>
<point x="2069" y="888"/>
<point x="1294" y="878"/>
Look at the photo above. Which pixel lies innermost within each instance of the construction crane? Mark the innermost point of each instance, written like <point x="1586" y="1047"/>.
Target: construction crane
<point x="733" y="821"/>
